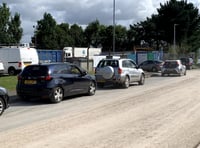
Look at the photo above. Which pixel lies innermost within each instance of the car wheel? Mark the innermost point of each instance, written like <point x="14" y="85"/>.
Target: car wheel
<point x="142" y="79"/>
<point x="11" y="71"/>
<point x="2" y="106"/>
<point x="107" y="72"/>
<point x="162" y="74"/>
<point x="91" y="89"/>
<point x="100" y="85"/>
<point x="126" y="82"/>
<point x="57" y="95"/>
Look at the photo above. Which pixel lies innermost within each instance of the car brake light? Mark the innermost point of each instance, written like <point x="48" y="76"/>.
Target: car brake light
<point x="119" y="71"/>
<point x="46" y="78"/>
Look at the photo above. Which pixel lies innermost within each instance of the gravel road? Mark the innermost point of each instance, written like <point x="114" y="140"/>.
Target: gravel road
<point x="159" y="114"/>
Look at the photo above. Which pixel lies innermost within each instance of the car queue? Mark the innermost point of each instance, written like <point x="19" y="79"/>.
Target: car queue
<point x="55" y="81"/>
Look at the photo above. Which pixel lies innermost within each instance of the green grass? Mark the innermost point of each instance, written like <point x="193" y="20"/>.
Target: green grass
<point x="9" y="82"/>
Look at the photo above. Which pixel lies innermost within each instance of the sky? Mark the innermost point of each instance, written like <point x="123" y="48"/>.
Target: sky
<point x="83" y="12"/>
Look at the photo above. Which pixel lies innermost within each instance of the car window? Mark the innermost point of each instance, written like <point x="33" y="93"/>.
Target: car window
<point x="171" y="64"/>
<point x="113" y="63"/>
<point x="145" y="63"/>
<point x="132" y="64"/>
<point x="75" y="70"/>
<point x="61" y="69"/>
<point x="125" y="64"/>
<point x="35" y="70"/>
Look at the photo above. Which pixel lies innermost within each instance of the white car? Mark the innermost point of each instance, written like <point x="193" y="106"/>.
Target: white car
<point x="173" y="67"/>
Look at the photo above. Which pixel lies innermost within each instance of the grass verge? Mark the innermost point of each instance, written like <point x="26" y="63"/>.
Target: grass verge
<point x="9" y="82"/>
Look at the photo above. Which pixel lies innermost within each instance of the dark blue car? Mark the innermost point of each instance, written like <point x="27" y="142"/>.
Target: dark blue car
<point x="54" y="81"/>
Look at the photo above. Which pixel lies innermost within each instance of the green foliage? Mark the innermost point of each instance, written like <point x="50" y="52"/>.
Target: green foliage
<point x="10" y="30"/>
<point x="179" y="17"/>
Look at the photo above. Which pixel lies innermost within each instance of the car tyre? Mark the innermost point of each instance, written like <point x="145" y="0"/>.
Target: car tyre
<point x="2" y="106"/>
<point x="57" y="95"/>
<point x="92" y="88"/>
<point x="126" y="82"/>
<point x="11" y="71"/>
<point x="142" y="80"/>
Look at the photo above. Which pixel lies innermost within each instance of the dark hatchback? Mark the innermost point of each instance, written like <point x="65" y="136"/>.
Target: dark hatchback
<point x="152" y="65"/>
<point x="4" y="100"/>
<point x="54" y="81"/>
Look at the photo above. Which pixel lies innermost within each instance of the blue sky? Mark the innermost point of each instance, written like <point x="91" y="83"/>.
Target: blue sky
<point x="83" y="12"/>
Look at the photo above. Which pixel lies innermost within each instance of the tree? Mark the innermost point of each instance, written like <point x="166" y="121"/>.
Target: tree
<point x="159" y="29"/>
<point x="10" y="30"/>
<point x="184" y="14"/>
<point x="46" y="33"/>
<point x="76" y="33"/>
<point x="91" y="34"/>
<point x="14" y="29"/>
<point x="4" y="20"/>
<point x="62" y="35"/>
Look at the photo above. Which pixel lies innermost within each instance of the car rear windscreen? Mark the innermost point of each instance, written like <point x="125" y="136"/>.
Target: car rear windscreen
<point x="37" y="70"/>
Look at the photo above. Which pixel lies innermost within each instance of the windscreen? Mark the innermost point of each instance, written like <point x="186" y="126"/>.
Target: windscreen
<point x="35" y="70"/>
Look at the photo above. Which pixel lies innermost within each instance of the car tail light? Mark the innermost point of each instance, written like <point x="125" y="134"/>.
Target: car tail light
<point x="119" y="71"/>
<point x="46" y="78"/>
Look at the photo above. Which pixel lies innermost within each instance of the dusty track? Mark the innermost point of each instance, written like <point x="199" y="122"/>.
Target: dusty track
<point x="161" y="115"/>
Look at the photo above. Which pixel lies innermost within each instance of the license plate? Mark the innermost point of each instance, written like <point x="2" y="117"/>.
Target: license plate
<point x="30" y="82"/>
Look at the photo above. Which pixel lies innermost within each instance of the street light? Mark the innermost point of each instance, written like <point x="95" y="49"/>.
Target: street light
<point x="113" y="27"/>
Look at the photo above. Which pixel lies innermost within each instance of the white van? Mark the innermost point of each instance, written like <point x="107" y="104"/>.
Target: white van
<point x="15" y="58"/>
<point x="1" y="67"/>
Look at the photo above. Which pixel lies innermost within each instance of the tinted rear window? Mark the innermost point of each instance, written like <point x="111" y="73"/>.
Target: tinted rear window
<point x="171" y="64"/>
<point x="113" y="63"/>
<point x="36" y="70"/>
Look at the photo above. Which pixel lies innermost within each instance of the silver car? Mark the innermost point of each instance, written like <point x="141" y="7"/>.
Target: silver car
<point x="118" y="72"/>
<point x="173" y="67"/>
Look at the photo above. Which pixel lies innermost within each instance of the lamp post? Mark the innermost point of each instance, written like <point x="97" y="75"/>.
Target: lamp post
<point x="113" y="27"/>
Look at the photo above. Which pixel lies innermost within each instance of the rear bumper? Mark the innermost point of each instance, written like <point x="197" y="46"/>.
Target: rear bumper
<point x="114" y="79"/>
<point x="34" y="92"/>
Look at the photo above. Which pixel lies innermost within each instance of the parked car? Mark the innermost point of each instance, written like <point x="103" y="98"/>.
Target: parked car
<point x="54" y="81"/>
<point x="173" y="67"/>
<point x="118" y="72"/>
<point x="152" y="65"/>
<point x="188" y="62"/>
<point x="4" y="100"/>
